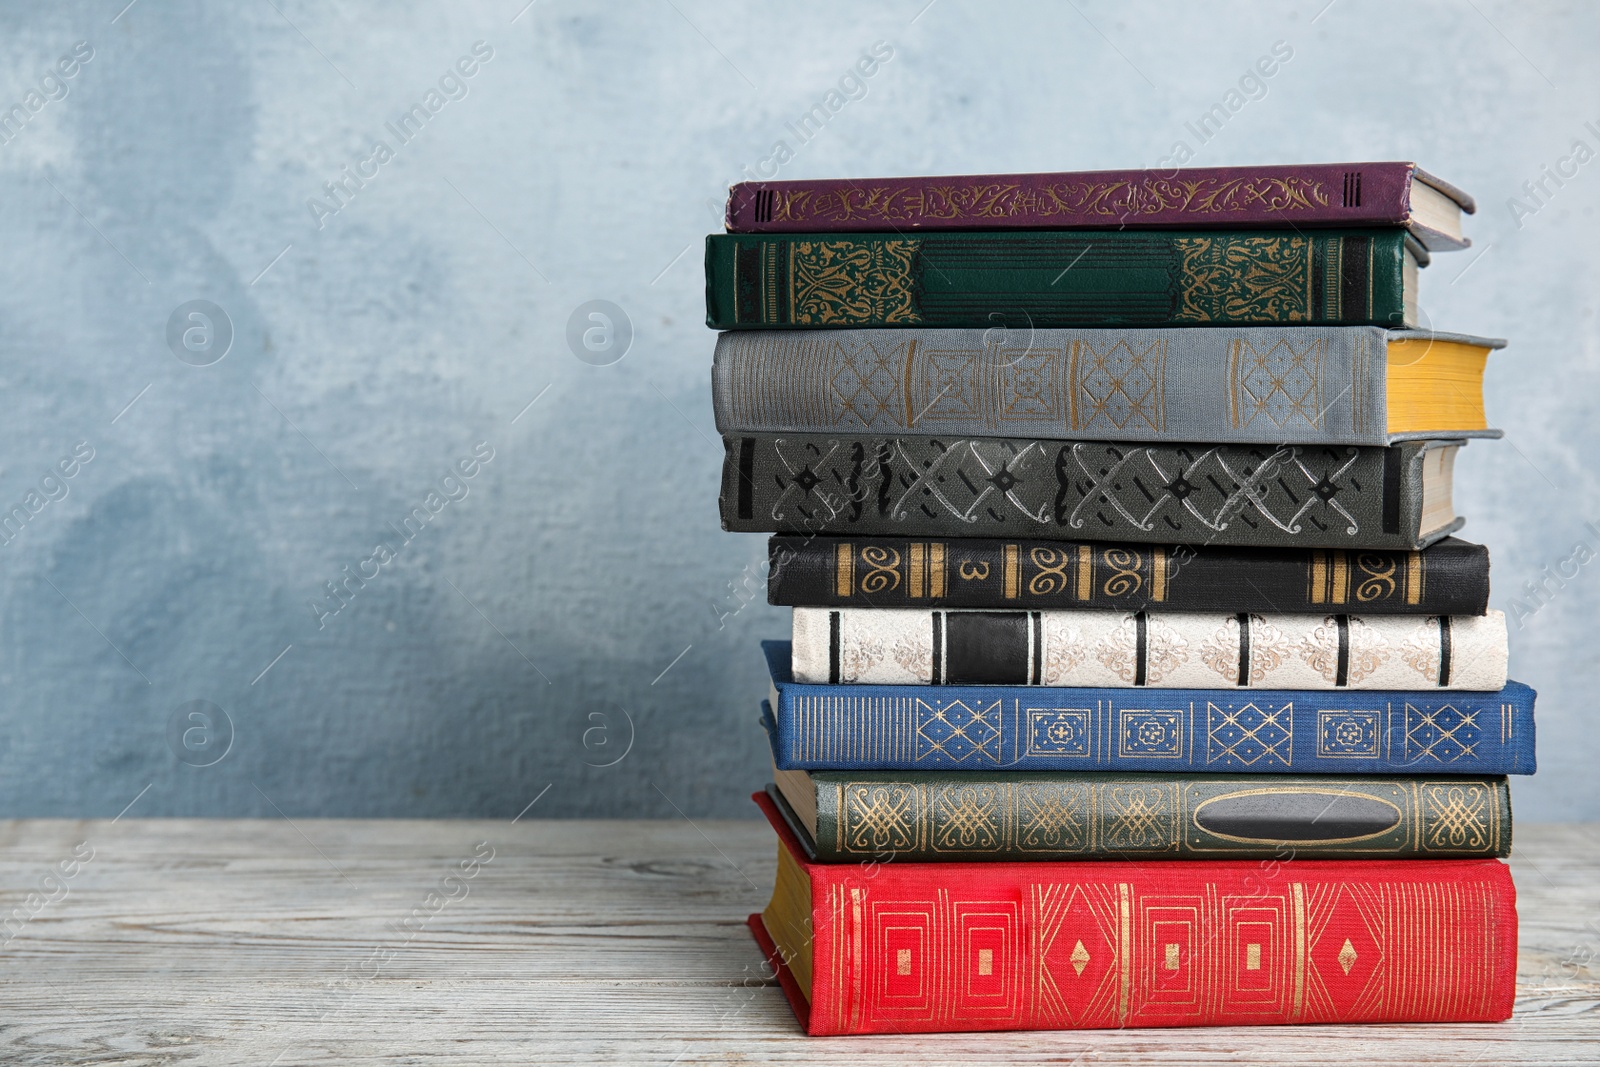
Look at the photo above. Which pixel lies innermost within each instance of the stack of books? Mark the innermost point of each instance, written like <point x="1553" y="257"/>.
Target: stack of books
<point x="1135" y="677"/>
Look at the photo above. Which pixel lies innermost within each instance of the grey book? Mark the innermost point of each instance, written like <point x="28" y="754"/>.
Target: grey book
<point x="1341" y="385"/>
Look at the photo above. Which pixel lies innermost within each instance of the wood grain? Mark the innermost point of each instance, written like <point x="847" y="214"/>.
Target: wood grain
<point x="265" y="942"/>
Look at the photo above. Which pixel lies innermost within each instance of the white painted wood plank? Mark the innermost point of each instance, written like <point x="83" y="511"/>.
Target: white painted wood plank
<point x="253" y="942"/>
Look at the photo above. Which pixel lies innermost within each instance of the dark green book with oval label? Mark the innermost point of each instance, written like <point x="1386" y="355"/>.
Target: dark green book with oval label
<point x="1022" y="280"/>
<point x="920" y="816"/>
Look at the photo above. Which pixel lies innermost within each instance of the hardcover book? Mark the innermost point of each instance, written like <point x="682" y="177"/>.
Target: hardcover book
<point x="1231" y="495"/>
<point x="1161" y="650"/>
<point x="940" y="947"/>
<point x="943" y="816"/>
<point x="958" y="727"/>
<point x="1338" y="385"/>
<point x="1307" y="195"/>
<point x="1035" y="280"/>
<point x="1450" y="577"/>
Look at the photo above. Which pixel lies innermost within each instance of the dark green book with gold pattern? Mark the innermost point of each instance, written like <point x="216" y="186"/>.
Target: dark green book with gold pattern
<point x="1021" y="280"/>
<point x="922" y="816"/>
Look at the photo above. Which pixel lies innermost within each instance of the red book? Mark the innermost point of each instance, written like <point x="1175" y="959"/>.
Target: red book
<point x="1314" y="194"/>
<point x="940" y="947"/>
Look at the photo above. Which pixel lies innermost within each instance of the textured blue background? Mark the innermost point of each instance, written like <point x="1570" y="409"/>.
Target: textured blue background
<point x="521" y="639"/>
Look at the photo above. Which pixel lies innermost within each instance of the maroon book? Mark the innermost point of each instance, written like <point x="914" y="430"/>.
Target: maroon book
<point x="1313" y="194"/>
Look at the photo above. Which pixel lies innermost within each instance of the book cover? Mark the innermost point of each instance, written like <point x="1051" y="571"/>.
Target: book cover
<point x="1159" y="650"/>
<point x="1450" y="577"/>
<point x="1232" y="495"/>
<point x="991" y="816"/>
<point x="1220" y="384"/>
<point x="928" y="728"/>
<point x="1031" y="279"/>
<point x="924" y="947"/>
<point x="1306" y="195"/>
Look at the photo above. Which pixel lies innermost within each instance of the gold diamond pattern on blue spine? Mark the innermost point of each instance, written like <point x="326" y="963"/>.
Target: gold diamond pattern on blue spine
<point x="959" y="731"/>
<point x="1443" y="734"/>
<point x="1251" y="734"/>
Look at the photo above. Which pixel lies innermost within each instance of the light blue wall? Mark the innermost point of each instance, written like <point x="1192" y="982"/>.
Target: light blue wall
<point x="587" y="160"/>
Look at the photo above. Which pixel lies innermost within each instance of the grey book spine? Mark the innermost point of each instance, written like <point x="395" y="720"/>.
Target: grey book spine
<point x="1254" y="385"/>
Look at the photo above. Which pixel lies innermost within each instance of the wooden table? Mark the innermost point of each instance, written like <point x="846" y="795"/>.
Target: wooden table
<point x="338" y="942"/>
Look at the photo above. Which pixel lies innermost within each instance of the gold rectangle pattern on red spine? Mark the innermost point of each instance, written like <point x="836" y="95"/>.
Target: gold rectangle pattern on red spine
<point x="1198" y="944"/>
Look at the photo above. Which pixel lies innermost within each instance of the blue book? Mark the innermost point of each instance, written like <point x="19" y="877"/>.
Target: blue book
<point x="1036" y="728"/>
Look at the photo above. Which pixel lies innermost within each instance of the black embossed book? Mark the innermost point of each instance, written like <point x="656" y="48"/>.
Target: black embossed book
<point x="1238" y="495"/>
<point x="1447" y="578"/>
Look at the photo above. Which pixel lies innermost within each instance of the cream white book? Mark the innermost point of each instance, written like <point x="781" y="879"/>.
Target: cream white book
<point x="1161" y="650"/>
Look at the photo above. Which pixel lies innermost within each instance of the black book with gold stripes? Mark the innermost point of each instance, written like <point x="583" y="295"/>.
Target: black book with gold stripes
<point x="1450" y="577"/>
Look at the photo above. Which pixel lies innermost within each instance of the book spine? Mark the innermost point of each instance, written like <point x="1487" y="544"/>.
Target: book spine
<point x="906" y="728"/>
<point x="1160" y="650"/>
<point x="1449" y="578"/>
<point x="1026" y="946"/>
<point x="997" y="815"/>
<point x="1349" y="194"/>
<point x="1253" y="385"/>
<point x="1037" y="279"/>
<point x="935" y="487"/>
